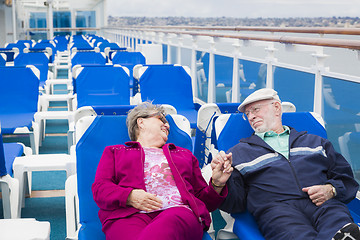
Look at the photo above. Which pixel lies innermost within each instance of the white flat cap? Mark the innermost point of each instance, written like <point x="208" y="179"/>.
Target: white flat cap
<point x="258" y="95"/>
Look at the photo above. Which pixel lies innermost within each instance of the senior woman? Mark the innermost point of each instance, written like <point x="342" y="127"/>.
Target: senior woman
<point x="153" y="190"/>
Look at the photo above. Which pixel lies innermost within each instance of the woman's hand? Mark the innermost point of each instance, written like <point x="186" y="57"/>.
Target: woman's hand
<point x="222" y="169"/>
<point x="144" y="201"/>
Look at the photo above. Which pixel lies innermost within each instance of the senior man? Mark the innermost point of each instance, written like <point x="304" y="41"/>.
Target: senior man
<point x="294" y="183"/>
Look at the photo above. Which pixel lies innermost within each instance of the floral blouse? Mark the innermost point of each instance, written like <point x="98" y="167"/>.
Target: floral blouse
<point x="159" y="179"/>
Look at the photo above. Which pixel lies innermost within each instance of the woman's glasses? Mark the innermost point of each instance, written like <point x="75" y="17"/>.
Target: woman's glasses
<point x="158" y="115"/>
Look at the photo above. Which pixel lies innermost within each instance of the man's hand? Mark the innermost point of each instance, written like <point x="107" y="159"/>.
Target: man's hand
<point x="144" y="201"/>
<point x="319" y="193"/>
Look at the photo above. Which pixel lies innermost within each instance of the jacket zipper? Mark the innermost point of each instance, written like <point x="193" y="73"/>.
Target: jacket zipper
<point x="295" y="176"/>
<point x="293" y="170"/>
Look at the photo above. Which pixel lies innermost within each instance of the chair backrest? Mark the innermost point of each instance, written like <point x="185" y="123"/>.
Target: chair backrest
<point x="110" y="45"/>
<point x="19" y="46"/>
<point x="48" y="47"/>
<point x="104" y="131"/>
<point x="169" y="84"/>
<point x="38" y="59"/>
<point x="128" y="58"/>
<point x="19" y="92"/>
<point x="102" y="85"/>
<point x="61" y="43"/>
<point x="112" y="49"/>
<point x="88" y="58"/>
<point x="236" y="127"/>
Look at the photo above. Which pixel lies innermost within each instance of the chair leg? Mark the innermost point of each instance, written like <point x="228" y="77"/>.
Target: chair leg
<point x="10" y="196"/>
<point x="6" y="199"/>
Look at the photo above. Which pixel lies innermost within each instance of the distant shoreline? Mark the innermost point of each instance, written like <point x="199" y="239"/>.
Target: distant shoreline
<point x="228" y="21"/>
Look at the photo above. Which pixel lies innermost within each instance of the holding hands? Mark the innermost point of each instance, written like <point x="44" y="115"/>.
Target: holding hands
<point x="221" y="170"/>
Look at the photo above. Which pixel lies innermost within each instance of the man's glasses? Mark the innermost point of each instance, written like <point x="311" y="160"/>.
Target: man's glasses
<point x="254" y="109"/>
<point x="159" y="115"/>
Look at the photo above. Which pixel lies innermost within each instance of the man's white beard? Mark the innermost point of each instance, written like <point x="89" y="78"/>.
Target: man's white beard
<point x="269" y="122"/>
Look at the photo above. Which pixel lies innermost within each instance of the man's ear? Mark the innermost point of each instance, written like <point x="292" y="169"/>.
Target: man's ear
<point x="278" y="107"/>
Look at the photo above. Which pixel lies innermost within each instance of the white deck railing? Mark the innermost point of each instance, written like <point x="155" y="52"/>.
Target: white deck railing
<point x="232" y="42"/>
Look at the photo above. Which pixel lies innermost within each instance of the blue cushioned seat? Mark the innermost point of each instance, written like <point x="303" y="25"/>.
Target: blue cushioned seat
<point x="105" y="131"/>
<point x="102" y="85"/>
<point x="169" y="84"/>
<point x="38" y="59"/>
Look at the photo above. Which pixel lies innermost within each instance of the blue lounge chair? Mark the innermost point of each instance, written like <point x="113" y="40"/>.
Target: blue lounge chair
<point x="112" y="130"/>
<point x="230" y="128"/>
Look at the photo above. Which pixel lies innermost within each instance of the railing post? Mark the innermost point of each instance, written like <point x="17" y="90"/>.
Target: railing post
<point x="180" y="44"/>
<point x="168" y="60"/>
<point x="13" y="6"/>
<point x="146" y="38"/>
<point x="318" y="90"/>
<point x="126" y="40"/>
<point x="132" y="42"/>
<point x="193" y="67"/>
<point x="211" y="83"/>
<point x="270" y="59"/>
<point x="235" y="93"/>
<point x="120" y="39"/>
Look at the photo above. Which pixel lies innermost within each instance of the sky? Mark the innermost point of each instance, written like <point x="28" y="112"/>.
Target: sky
<point x="234" y="8"/>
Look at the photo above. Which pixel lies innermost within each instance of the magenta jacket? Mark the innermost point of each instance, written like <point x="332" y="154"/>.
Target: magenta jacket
<point x="121" y="169"/>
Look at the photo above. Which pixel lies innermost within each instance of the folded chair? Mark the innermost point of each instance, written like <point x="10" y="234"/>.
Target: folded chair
<point x="168" y="84"/>
<point x="97" y="133"/>
<point x="19" y="93"/>
<point x="230" y="128"/>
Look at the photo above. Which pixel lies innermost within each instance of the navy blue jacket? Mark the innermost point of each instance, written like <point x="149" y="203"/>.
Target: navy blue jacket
<point x="262" y="176"/>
